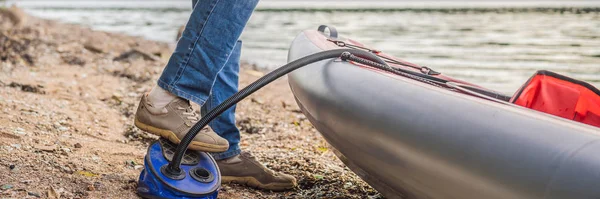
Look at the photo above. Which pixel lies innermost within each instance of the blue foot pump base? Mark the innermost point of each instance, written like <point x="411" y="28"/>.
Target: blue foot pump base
<point x="200" y="177"/>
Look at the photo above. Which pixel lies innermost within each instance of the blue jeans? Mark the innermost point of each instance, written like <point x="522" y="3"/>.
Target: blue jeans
<point x="205" y="64"/>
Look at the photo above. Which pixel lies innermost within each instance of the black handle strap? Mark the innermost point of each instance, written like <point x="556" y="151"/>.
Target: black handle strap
<point x="333" y="33"/>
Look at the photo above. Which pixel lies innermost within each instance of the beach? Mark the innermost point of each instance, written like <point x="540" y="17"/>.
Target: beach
<point x="68" y="95"/>
<point x="73" y="73"/>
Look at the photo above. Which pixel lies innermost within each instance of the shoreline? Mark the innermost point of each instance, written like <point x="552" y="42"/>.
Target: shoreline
<point x="68" y="95"/>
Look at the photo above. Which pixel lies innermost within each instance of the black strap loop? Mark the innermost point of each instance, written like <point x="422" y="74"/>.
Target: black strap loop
<point x="333" y="33"/>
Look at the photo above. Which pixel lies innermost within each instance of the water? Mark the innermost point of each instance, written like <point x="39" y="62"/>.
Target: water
<point x="498" y="45"/>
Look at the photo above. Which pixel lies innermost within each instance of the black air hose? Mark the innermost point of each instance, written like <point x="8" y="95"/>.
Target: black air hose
<point x="173" y="167"/>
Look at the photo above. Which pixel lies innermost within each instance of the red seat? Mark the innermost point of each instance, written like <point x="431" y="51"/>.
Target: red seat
<point x="562" y="96"/>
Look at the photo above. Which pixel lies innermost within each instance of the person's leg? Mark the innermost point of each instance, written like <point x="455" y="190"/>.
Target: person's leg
<point x="202" y="51"/>
<point x="225" y="86"/>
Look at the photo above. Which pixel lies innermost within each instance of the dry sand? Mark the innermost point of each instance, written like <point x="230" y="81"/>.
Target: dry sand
<point x="68" y="96"/>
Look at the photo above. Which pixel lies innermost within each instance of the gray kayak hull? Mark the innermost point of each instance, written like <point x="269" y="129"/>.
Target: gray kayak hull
<point x="412" y="140"/>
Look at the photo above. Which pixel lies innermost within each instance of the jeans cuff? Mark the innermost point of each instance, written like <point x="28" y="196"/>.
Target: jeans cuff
<point x="179" y="93"/>
<point x="233" y="151"/>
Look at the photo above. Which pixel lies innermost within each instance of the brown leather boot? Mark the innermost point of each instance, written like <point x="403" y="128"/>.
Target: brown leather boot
<point x="244" y="169"/>
<point x="174" y="121"/>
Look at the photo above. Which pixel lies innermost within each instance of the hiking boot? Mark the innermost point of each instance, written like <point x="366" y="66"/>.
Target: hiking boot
<point x="175" y="120"/>
<point x="244" y="169"/>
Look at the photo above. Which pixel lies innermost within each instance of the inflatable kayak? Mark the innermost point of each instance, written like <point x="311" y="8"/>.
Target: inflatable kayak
<point x="419" y="134"/>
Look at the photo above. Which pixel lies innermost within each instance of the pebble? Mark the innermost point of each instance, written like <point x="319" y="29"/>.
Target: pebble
<point x="20" y="131"/>
<point x="16" y="146"/>
<point x="348" y="185"/>
<point x="98" y="185"/>
<point x="36" y="194"/>
<point x="7" y="148"/>
<point x="256" y="100"/>
<point x="77" y="145"/>
<point x="11" y="167"/>
<point x="6" y="187"/>
<point x="91" y="188"/>
<point x="67" y="170"/>
<point x="63" y="128"/>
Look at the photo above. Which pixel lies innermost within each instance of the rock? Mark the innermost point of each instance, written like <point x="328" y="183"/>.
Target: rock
<point x="117" y="97"/>
<point x="28" y="88"/>
<point x="257" y="101"/>
<point x="20" y="131"/>
<point x="6" y="187"/>
<point x="135" y="54"/>
<point x="130" y="163"/>
<point x="91" y="46"/>
<point x="67" y="170"/>
<point x="16" y="146"/>
<point x="91" y="188"/>
<point x="97" y="185"/>
<point x="35" y="194"/>
<point x="77" y="145"/>
<point x="63" y="128"/>
<point x="10" y="135"/>
<point x="66" y="150"/>
<point x="12" y="166"/>
<point x="348" y="185"/>
<point x="73" y="60"/>
<point x="249" y="126"/>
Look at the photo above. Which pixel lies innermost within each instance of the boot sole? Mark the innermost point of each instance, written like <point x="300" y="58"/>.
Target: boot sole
<point x="194" y="145"/>
<point x="252" y="182"/>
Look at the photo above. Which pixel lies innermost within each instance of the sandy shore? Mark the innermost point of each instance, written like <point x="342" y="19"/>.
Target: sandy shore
<point x="68" y="95"/>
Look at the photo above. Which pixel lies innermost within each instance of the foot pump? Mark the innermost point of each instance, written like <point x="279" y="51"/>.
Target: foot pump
<point x="200" y="177"/>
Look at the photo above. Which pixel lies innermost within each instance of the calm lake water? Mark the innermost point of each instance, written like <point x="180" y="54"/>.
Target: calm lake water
<point x="494" y="44"/>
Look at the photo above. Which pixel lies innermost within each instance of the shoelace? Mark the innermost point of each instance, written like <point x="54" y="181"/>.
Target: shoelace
<point x="189" y="113"/>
